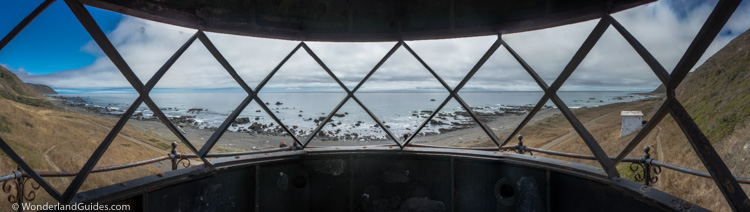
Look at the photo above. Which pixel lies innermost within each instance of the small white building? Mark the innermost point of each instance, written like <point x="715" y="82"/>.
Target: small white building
<point x="631" y="122"/>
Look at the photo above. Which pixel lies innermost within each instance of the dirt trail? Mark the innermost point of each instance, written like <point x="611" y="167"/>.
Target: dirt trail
<point x="659" y="150"/>
<point x="49" y="161"/>
<point x="572" y="132"/>
<point x="54" y="166"/>
<point x="131" y="139"/>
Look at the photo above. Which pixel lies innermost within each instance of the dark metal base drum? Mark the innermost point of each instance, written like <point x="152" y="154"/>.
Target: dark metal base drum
<point x="386" y="179"/>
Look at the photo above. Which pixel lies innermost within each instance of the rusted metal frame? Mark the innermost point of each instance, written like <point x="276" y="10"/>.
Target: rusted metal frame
<point x="434" y="74"/>
<point x="578" y="57"/>
<point x="84" y="17"/>
<point x="350" y="94"/>
<point x="324" y="66"/>
<point x="721" y="174"/>
<point x="466" y="79"/>
<point x="156" y="109"/>
<point x="525" y="65"/>
<point x="223" y="61"/>
<point x="453" y="93"/>
<point x="277" y="120"/>
<point x="590" y="141"/>
<point x="3" y="145"/>
<point x="98" y="153"/>
<point x="263" y="83"/>
<point x="224" y="126"/>
<point x="276" y="69"/>
<point x="743" y="180"/>
<point x="100" y="38"/>
<point x="126" y="116"/>
<point x="25" y="22"/>
<point x="105" y="168"/>
<point x="377" y="66"/>
<point x="659" y="71"/>
<point x="538" y="80"/>
<point x="478" y="65"/>
<point x="424" y="123"/>
<point x="481" y="123"/>
<point x="165" y="120"/>
<point x="377" y="120"/>
<point x="88" y="22"/>
<point x="655" y="120"/>
<point x="527" y="119"/>
<point x="440" y="107"/>
<point x="729" y="187"/>
<point x="328" y="118"/>
<point x="654" y="64"/>
<point x="28" y="170"/>
<point x="237" y="111"/>
<point x="710" y="29"/>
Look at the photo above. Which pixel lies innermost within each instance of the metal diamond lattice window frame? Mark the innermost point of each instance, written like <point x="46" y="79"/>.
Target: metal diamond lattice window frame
<point x="727" y="183"/>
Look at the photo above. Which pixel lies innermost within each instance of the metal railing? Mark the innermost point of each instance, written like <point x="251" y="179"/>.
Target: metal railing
<point x="18" y="178"/>
<point x="716" y="167"/>
<point x="645" y="169"/>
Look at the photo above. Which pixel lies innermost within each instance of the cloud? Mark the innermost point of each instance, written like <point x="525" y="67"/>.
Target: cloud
<point x="612" y="65"/>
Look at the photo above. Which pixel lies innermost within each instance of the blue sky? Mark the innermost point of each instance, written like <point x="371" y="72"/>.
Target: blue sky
<point x="55" y="50"/>
<point x="55" y="37"/>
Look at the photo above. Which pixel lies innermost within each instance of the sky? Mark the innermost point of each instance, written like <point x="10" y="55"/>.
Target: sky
<point x="56" y="50"/>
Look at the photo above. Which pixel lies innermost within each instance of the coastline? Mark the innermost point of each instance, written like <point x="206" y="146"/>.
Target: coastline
<point x="458" y="134"/>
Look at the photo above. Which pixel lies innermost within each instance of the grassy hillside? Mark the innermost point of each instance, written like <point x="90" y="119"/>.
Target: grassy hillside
<point x="717" y="95"/>
<point x="53" y="139"/>
<point x="41" y="89"/>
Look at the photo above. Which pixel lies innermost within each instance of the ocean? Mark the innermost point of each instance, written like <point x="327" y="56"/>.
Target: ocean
<point x="402" y="112"/>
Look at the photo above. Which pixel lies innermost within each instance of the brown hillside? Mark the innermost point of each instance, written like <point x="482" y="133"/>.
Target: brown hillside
<point x="53" y="139"/>
<point x="41" y="89"/>
<point x="14" y="89"/>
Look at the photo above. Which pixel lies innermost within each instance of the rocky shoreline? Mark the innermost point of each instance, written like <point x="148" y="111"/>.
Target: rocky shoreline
<point x="444" y="122"/>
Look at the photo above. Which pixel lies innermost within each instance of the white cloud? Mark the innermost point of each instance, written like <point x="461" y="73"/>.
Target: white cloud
<point x="611" y="65"/>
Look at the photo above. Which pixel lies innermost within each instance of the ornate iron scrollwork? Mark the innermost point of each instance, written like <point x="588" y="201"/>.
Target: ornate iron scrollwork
<point x="177" y="158"/>
<point x="184" y="161"/>
<point x="644" y="170"/>
<point x="20" y="184"/>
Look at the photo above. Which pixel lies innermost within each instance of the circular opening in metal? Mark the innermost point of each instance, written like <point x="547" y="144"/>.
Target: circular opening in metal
<point x="506" y="191"/>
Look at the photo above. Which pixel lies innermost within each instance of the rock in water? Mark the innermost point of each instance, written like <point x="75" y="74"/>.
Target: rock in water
<point x="243" y="120"/>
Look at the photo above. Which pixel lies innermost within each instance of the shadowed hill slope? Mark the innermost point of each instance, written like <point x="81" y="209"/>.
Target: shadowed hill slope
<point x="41" y="89"/>
<point x="717" y="94"/>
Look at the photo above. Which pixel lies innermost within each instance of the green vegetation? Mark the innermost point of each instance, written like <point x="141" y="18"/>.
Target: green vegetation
<point x="717" y="94"/>
<point x="126" y="145"/>
<point x="5" y="125"/>
<point x="163" y="145"/>
<point x="625" y="172"/>
<point x="153" y="140"/>
<point x="32" y="101"/>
